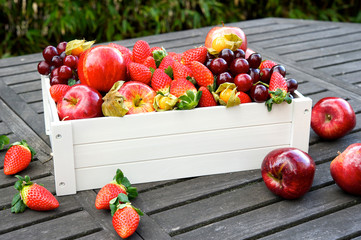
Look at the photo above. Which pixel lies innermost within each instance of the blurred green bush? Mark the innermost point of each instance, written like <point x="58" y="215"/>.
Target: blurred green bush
<point x="29" y="26"/>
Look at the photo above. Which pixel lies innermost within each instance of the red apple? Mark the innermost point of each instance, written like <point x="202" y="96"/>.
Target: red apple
<point x="288" y="172"/>
<point x="101" y="66"/>
<point x="346" y="169"/>
<point x="332" y="118"/>
<point x="80" y="101"/>
<point x="220" y="31"/>
<point x="138" y="96"/>
<point x="248" y="52"/>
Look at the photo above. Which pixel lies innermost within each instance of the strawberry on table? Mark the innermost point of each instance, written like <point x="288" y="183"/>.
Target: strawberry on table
<point x="186" y="92"/>
<point x="207" y="99"/>
<point x="244" y="97"/>
<point x="202" y="75"/>
<point x="139" y="72"/>
<point x="57" y="91"/>
<point x="125" y="216"/>
<point x="278" y="91"/>
<point x="141" y="51"/>
<point x="120" y="184"/>
<point x="166" y="62"/>
<point x="33" y="196"/>
<point x="160" y="81"/>
<point x="18" y="157"/>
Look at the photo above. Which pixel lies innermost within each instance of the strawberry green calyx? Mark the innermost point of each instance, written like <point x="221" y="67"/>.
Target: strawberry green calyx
<point x="4" y="140"/>
<point x="158" y="56"/>
<point x="17" y="204"/>
<point x="120" y="179"/>
<point x="278" y="97"/>
<point x="25" y="144"/>
<point x="164" y="102"/>
<point x="189" y="101"/>
<point x="120" y="202"/>
<point x="113" y="104"/>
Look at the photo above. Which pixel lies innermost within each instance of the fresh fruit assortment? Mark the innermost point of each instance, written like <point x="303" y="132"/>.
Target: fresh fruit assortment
<point x="18" y="157"/>
<point x="152" y="79"/>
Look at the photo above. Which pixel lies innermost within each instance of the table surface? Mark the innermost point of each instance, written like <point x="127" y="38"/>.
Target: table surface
<point x="324" y="57"/>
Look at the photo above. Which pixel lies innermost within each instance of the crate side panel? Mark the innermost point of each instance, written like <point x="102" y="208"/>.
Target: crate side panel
<point x="177" y="145"/>
<point x="174" y="168"/>
<point x="175" y="122"/>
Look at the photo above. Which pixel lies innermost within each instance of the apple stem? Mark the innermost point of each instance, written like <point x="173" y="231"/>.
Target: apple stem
<point x="328" y="117"/>
<point x="72" y="100"/>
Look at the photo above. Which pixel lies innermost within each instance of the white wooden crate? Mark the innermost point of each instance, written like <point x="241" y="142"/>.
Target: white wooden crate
<point x="170" y="145"/>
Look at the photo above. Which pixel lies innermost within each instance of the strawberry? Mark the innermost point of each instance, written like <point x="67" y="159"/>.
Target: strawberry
<point x="176" y="56"/>
<point x="181" y="71"/>
<point x="57" y="91"/>
<point x="153" y="49"/>
<point x="267" y="64"/>
<point x="244" y="97"/>
<point x="195" y="54"/>
<point x="158" y="55"/>
<point x="166" y="62"/>
<point x="202" y="75"/>
<point x="120" y="184"/>
<point x="278" y="90"/>
<point x="125" y="216"/>
<point x="150" y="63"/>
<point x="207" y="99"/>
<point x="18" y="157"/>
<point x="161" y="81"/>
<point x="33" y="196"/>
<point x="141" y="51"/>
<point x="139" y="72"/>
<point x="186" y="92"/>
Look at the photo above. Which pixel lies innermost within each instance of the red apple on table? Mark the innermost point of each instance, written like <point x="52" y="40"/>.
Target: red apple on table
<point x="138" y="96"/>
<point x="80" y="101"/>
<point x="346" y="169"/>
<point x="220" y="31"/>
<point x="101" y="66"/>
<point x="288" y="172"/>
<point x="332" y="118"/>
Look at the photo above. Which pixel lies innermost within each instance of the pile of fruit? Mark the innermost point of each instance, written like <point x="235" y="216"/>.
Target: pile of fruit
<point x="111" y="80"/>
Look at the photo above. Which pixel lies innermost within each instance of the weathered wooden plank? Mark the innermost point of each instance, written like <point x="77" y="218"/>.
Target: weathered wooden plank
<point x="308" y="88"/>
<point x="21" y="78"/>
<point x="102" y="235"/>
<point x="27" y="87"/>
<point x="33" y="96"/>
<point x="149" y="229"/>
<point x="295" y="31"/>
<point x="10" y="221"/>
<point x="20" y="127"/>
<point x="6" y="62"/>
<point x="318" y="39"/>
<point x="58" y="228"/>
<point x="7" y="193"/>
<point x="221" y="206"/>
<point x="192" y="189"/>
<point x="37" y="106"/>
<point x="275" y="216"/>
<point x="342" y="68"/>
<point x="13" y="70"/>
<point x="4" y="130"/>
<point x="353" y="77"/>
<point x="332" y="60"/>
<point x="339" y="225"/>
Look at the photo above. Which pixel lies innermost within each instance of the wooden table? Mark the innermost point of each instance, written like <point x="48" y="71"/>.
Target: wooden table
<point x="323" y="56"/>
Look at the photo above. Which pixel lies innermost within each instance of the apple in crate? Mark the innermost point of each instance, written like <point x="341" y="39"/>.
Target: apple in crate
<point x="80" y="101"/>
<point x="218" y="31"/>
<point x="101" y="66"/>
<point x="128" y="98"/>
<point x="332" y="118"/>
<point x="288" y="172"/>
<point x="346" y="169"/>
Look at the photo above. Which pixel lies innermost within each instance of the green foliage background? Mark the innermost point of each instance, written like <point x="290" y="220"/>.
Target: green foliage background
<point x="29" y="26"/>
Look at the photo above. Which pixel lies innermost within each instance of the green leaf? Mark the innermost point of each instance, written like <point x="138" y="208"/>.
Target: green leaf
<point x="125" y="182"/>
<point x="123" y="198"/>
<point x="16" y="198"/>
<point x="71" y="82"/>
<point x="113" y="209"/>
<point x="138" y="211"/>
<point x="169" y="71"/>
<point x="132" y="192"/>
<point x="4" y="140"/>
<point x="17" y="204"/>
